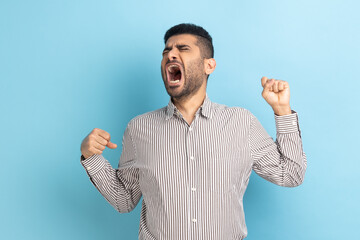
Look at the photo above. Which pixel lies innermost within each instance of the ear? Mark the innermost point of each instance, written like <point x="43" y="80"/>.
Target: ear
<point x="210" y="65"/>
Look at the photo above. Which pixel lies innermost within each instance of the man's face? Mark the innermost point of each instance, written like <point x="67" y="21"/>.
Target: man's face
<point x="182" y="67"/>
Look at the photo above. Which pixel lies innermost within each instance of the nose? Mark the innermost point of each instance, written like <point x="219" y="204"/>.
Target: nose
<point x="173" y="54"/>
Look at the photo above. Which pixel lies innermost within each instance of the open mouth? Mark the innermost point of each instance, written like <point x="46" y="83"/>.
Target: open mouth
<point x="174" y="73"/>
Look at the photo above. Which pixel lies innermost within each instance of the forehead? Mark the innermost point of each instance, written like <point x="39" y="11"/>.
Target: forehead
<point x="187" y="39"/>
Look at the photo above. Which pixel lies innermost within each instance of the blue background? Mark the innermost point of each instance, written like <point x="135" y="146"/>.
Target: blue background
<point x="67" y="67"/>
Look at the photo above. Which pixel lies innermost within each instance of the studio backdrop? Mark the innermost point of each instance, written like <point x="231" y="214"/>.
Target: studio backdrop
<point x="67" y="67"/>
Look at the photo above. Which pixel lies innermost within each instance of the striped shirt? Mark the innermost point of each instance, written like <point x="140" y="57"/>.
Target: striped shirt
<point x="193" y="177"/>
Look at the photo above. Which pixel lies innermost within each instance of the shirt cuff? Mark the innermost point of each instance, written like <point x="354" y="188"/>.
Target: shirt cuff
<point x="93" y="164"/>
<point x="287" y="123"/>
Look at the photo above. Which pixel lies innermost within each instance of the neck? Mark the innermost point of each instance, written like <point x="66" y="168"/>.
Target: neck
<point x="188" y="106"/>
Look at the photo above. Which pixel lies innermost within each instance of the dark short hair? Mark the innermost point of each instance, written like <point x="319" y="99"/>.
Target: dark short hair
<point x="203" y="37"/>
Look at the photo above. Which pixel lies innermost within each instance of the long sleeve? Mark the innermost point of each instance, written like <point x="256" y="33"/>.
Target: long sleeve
<point x="120" y="187"/>
<point x="282" y="162"/>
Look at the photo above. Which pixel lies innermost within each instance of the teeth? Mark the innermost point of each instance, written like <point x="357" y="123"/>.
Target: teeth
<point x="175" y="81"/>
<point x="172" y="67"/>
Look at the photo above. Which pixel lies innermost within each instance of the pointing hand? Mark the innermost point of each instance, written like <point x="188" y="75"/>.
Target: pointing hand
<point x="96" y="142"/>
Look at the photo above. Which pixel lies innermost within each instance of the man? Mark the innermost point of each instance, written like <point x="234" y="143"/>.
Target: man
<point x="191" y="160"/>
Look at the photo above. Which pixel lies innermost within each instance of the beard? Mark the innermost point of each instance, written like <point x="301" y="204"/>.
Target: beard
<point x="194" y="77"/>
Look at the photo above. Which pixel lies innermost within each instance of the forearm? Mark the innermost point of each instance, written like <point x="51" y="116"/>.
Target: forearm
<point x="120" y="191"/>
<point x="292" y="159"/>
<point x="282" y="162"/>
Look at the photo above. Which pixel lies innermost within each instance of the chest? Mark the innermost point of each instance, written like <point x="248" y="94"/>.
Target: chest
<point x="211" y="155"/>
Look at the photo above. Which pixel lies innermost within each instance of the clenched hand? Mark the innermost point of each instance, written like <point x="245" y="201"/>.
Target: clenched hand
<point x="96" y="142"/>
<point x="277" y="94"/>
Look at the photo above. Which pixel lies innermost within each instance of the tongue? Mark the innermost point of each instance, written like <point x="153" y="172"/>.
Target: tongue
<point x="177" y="76"/>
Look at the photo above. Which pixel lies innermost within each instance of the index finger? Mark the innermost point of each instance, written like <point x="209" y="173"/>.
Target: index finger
<point x="103" y="134"/>
<point x="263" y="81"/>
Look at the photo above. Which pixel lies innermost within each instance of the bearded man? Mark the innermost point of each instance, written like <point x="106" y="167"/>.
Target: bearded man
<point x="191" y="160"/>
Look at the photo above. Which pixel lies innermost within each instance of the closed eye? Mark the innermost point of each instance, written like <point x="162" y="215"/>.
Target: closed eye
<point x="183" y="47"/>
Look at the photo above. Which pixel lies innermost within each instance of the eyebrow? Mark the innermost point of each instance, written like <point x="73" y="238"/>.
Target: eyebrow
<point x="178" y="46"/>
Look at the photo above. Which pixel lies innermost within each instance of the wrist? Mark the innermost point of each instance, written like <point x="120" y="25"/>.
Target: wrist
<point x="282" y="110"/>
<point x="83" y="157"/>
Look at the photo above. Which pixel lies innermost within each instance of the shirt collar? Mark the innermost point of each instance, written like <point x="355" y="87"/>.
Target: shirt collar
<point x="205" y="108"/>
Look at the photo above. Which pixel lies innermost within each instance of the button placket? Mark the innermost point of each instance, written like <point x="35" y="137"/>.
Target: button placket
<point x="192" y="168"/>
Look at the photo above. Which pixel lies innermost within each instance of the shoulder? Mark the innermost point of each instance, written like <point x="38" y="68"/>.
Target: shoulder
<point x="234" y="111"/>
<point x="148" y="118"/>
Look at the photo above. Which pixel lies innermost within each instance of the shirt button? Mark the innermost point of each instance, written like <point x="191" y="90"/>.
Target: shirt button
<point x="293" y="123"/>
<point x="192" y="158"/>
<point x="190" y="129"/>
<point x="88" y="168"/>
<point x="194" y="220"/>
<point x="193" y="189"/>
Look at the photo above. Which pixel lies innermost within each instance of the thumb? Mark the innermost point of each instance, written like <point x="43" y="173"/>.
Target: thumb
<point x="111" y="145"/>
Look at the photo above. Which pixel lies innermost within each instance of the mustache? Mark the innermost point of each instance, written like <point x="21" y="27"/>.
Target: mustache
<point x="174" y="61"/>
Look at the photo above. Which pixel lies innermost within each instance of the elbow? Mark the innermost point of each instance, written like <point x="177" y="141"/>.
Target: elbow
<point x="295" y="184"/>
<point x="293" y="181"/>
<point x="294" y="177"/>
<point x="124" y="207"/>
<point x="124" y="210"/>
